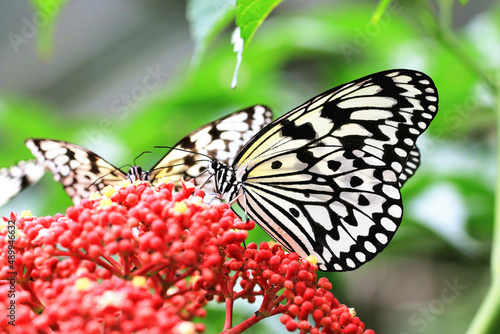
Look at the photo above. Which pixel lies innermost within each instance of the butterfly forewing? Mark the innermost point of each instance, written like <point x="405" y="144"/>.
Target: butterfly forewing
<point x="82" y="172"/>
<point x="18" y="177"/>
<point x="324" y="178"/>
<point x="75" y="167"/>
<point x="221" y="140"/>
<point x="384" y="113"/>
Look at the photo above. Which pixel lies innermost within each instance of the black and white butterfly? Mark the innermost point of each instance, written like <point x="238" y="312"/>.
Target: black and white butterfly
<point x="325" y="178"/>
<point x="77" y="168"/>
<point x="18" y="177"/>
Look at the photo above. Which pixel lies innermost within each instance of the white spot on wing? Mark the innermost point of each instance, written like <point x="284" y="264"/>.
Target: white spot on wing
<point x="53" y="153"/>
<point x="368" y="102"/>
<point x="382" y="238"/>
<point x="395" y="211"/>
<point x="370" y="247"/>
<point x="361" y="256"/>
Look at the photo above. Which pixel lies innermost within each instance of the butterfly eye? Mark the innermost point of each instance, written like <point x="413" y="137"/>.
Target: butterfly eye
<point x="214" y="166"/>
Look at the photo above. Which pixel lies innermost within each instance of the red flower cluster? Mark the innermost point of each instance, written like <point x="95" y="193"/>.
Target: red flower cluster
<point x="142" y="259"/>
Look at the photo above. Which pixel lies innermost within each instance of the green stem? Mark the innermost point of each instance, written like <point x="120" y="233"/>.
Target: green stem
<point x="451" y="42"/>
<point x="381" y="8"/>
<point x="440" y="28"/>
<point x="495" y="252"/>
<point x="487" y="318"/>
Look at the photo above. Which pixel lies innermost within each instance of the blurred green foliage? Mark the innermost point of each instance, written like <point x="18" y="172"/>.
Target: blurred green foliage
<point x="51" y="10"/>
<point x="298" y="52"/>
<point x="206" y="19"/>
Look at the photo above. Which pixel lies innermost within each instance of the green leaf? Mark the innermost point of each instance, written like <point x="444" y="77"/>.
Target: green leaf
<point x="47" y="11"/>
<point x="249" y="16"/>
<point x="206" y="18"/>
<point x="251" y="13"/>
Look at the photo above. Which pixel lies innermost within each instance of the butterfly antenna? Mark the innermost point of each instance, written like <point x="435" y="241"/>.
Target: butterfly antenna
<point x="187" y="151"/>
<point x="103" y="176"/>
<point x="140" y="155"/>
<point x="205" y="171"/>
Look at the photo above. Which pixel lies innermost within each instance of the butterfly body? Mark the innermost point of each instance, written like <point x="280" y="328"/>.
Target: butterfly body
<point x="324" y="179"/>
<point x="82" y="171"/>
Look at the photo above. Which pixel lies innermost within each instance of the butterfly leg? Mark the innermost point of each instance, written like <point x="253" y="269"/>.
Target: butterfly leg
<point x="234" y="200"/>
<point x="205" y="182"/>
<point x="245" y="207"/>
<point x="246" y="215"/>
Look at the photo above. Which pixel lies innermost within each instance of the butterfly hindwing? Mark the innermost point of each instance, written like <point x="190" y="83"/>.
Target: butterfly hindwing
<point x="325" y="214"/>
<point x="75" y="167"/>
<point x="18" y="177"/>
<point x="221" y="139"/>
<point x="410" y="166"/>
<point x="324" y="178"/>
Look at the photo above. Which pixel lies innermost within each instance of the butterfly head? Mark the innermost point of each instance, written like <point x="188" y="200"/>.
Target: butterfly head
<point x="213" y="167"/>
<point x="135" y="173"/>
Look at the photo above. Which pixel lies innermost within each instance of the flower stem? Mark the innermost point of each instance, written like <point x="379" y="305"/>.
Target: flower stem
<point x="227" y="290"/>
<point x="244" y="325"/>
<point x="229" y="313"/>
<point x="487" y="318"/>
<point x="35" y="303"/>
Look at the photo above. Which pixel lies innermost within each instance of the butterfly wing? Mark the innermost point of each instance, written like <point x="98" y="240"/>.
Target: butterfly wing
<point x="221" y="139"/>
<point x="75" y="167"/>
<point x="18" y="177"/>
<point x="410" y="166"/>
<point x="324" y="179"/>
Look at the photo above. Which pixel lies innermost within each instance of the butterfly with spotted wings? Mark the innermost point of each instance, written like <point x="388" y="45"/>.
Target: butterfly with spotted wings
<point x="18" y="177"/>
<point x="78" y="169"/>
<point x="325" y="178"/>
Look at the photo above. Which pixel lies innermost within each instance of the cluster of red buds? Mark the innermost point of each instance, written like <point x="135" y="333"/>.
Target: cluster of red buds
<point x="141" y="259"/>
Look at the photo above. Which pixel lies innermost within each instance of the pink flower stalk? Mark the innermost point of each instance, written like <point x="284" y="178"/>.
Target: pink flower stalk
<point x="140" y="259"/>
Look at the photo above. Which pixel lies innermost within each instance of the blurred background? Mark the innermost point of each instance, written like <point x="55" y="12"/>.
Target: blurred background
<point x="114" y="76"/>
